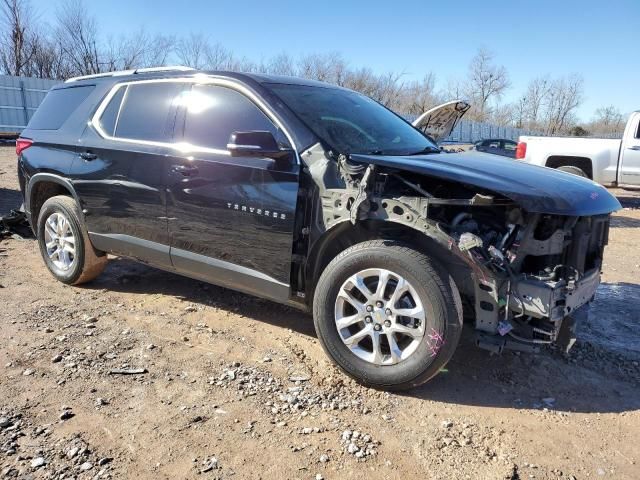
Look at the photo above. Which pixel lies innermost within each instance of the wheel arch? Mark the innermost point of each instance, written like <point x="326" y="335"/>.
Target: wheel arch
<point x="40" y="188"/>
<point x="583" y="163"/>
<point x="344" y="234"/>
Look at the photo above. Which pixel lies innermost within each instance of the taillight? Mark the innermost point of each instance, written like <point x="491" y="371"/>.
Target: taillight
<point x="22" y="144"/>
<point x="521" y="150"/>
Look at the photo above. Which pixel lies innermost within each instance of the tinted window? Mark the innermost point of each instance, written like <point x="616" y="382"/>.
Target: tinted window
<point x="110" y="114"/>
<point x="510" y="146"/>
<point x="57" y="106"/>
<point x="145" y="112"/>
<point x="213" y="113"/>
<point x="351" y="122"/>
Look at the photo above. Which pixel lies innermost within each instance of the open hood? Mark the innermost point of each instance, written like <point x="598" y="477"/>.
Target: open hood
<point x="439" y="122"/>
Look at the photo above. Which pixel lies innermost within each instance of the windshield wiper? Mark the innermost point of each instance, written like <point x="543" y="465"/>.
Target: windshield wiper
<point x="425" y="150"/>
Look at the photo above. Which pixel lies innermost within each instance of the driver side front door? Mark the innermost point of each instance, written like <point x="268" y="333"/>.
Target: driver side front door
<point x="231" y="219"/>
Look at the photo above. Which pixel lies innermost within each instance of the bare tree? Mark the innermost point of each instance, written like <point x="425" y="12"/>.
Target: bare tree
<point x="419" y="96"/>
<point x="506" y="115"/>
<point x="535" y="98"/>
<point x="220" y="58"/>
<point x="77" y="37"/>
<point x="281" y="64"/>
<point x="75" y="47"/>
<point x="455" y="90"/>
<point x="48" y="61"/>
<point x="565" y="96"/>
<point x="362" y="80"/>
<point x="192" y="51"/>
<point x="607" y="121"/>
<point x="520" y="112"/>
<point x="137" y="50"/>
<point x="323" y="67"/>
<point x="485" y="82"/>
<point x="18" y="43"/>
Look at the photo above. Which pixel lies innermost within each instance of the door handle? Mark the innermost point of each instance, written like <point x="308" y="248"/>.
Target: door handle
<point x="185" y="170"/>
<point x="635" y="147"/>
<point x="88" y="156"/>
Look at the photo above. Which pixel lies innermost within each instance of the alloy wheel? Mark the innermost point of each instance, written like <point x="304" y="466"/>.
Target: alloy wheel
<point x="379" y="316"/>
<point x="60" y="241"/>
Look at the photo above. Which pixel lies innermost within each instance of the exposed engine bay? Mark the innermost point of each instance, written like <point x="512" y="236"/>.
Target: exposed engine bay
<point x="525" y="278"/>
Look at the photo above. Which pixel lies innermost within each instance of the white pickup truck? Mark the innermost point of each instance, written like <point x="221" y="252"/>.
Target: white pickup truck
<point x="608" y="162"/>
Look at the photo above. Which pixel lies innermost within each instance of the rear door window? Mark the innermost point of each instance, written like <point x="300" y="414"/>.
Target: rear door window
<point x="147" y="112"/>
<point x="58" y="106"/>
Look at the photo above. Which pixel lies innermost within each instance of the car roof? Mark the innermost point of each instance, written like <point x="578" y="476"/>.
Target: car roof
<point x="131" y="75"/>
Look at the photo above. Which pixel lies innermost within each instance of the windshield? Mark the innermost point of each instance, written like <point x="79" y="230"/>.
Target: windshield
<point x="351" y="122"/>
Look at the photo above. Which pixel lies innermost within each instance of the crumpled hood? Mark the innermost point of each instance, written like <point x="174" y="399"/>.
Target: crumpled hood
<point x="536" y="189"/>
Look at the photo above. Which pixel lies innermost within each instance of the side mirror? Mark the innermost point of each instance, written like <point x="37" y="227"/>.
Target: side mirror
<point x="255" y="144"/>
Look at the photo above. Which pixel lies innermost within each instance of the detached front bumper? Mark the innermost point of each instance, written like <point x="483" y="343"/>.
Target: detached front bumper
<point x="546" y="312"/>
<point x="554" y="299"/>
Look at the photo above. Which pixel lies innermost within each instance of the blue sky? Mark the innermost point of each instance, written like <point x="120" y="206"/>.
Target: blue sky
<point x="597" y="39"/>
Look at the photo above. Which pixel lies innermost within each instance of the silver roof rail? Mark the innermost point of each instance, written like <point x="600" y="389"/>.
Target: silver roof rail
<point x="177" y="68"/>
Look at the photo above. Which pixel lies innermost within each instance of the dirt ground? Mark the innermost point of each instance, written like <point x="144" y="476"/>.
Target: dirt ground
<point x="237" y="387"/>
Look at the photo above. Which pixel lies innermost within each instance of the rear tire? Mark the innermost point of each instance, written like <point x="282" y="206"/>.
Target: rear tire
<point x="574" y="170"/>
<point x="64" y="243"/>
<point x="431" y="337"/>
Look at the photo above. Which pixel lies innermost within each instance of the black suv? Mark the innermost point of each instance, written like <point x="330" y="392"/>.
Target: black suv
<point x="318" y="197"/>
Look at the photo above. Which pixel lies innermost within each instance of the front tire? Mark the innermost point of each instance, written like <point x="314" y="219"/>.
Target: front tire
<point x="64" y="243"/>
<point x="387" y="314"/>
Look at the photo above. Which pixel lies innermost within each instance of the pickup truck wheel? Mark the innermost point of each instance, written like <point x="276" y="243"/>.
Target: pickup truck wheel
<point x="575" y="170"/>
<point x="64" y="243"/>
<point x="388" y="315"/>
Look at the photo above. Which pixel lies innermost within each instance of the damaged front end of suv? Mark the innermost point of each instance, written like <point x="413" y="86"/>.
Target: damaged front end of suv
<point x="400" y="242"/>
<point x="524" y="244"/>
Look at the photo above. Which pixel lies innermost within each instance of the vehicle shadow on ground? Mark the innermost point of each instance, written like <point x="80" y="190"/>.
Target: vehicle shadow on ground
<point x="620" y="221"/>
<point x="629" y="201"/>
<point x="599" y="375"/>
<point x="473" y="377"/>
<point x="124" y="275"/>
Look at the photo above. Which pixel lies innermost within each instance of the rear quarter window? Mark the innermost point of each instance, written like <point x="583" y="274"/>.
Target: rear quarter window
<point x="110" y="114"/>
<point x="58" y="106"/>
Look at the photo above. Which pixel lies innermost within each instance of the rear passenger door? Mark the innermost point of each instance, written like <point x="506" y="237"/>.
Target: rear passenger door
<point x="120" y="173"/>
<point x="230" y="218"/>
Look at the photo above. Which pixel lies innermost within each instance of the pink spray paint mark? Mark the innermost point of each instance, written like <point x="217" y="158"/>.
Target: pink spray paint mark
<point x="435" y="342"/>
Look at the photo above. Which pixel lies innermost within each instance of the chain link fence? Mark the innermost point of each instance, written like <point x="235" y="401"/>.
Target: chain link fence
<point x="469" y="131"/>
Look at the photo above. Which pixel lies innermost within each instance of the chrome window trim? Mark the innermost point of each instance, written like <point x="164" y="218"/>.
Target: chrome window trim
<point x="183" y="147"/>
<point x="235" y="145"/>
<point x="124" y="97"/>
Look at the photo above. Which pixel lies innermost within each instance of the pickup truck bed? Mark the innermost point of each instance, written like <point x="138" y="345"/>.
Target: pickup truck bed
<point x="610" y="162"/>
